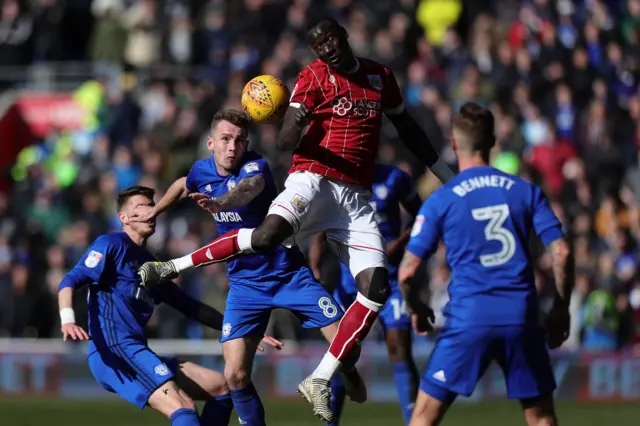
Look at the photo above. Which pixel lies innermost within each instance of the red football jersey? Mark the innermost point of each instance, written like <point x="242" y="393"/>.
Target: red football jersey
<point x="346" y="115"/>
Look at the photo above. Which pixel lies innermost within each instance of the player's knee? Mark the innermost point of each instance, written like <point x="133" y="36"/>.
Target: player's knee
<point x="237" y="377"/>
<point x="379" y="289"/>
<point x="273" y="231"/>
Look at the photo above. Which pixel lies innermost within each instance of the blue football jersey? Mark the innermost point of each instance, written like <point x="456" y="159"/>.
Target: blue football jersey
<point x="118" y="307"/>
<point x="485" y="217"/>
<point x="267" y="266"/>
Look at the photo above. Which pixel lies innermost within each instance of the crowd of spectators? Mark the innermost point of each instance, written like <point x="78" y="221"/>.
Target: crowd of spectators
<point x="561" y="77"/>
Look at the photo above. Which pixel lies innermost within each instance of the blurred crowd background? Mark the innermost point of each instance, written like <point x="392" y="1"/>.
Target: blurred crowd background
<point x="561" y="77"/>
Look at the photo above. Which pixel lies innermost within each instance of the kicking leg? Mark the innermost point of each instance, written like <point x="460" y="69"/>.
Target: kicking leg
<point x="203" y="384"/>
<point x="273" y="231"/>
<point x="174" y="403"/>
<point x="238" y="356"/>
<point x="351" y="382"/>
<point x="405" y="372"/>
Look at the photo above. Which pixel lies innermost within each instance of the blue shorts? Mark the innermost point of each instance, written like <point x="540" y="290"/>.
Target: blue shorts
<point x="131" y="370"/>
<point x="394" y="314"/>
<point x="462" y="355"/>
<point x="249" y="304"/>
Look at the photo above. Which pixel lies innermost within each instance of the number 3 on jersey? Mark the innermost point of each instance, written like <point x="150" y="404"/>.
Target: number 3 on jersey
<point x="494" y="231"/>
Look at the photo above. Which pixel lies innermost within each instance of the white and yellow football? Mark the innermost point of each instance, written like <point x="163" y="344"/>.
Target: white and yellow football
<point x="265" y="99"/>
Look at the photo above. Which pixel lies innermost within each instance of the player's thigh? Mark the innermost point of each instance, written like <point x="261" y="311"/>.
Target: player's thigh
<point x="459" y="359"/>
<point x="247" y="310"/>
<point x="525" y="362"/>
<point x="309" y="301"/>
<point x="238" y="357"/>
<point x="429" y="410"/>
<point x="301" y="205"/>
<point x="198" y="382"/>
<point x="168" y="398"/>
<point x="131" y="370"/>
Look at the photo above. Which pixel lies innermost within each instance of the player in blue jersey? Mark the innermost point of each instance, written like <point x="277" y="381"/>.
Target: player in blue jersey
<point x="391" y="188"/>
<point x="484" y="218"/>
<point x="119" y="309"/>
<point x="236" y="186"/>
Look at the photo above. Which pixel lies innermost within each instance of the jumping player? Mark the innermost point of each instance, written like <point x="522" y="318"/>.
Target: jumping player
<point x="484" y="217"/>
<point x="243" y="187"/>
<point x="391" y="188"/>
<point x="119" y="309"/>
<point x="333" y="126"/>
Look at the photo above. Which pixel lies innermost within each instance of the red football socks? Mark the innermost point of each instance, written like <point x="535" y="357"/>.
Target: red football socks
<point x="222" y="249"/>
<point x="354" y="327"/>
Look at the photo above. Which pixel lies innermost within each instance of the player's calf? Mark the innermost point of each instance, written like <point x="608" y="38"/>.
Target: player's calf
<point x="540" y="411"/>
<point x="174" y="403"/>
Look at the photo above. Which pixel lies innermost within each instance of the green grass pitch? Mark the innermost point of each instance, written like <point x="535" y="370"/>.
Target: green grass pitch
<point x="26" y="411"/>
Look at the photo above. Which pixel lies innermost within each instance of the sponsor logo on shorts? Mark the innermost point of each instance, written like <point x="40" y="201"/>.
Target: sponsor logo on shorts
<point x="161" y="369"/>
<point x="93" y="259"/>
<point x="299" y="203"/>
<point x="226" y="329"/>
<point x="417" y="225"/>
<point x="251" y="167"/>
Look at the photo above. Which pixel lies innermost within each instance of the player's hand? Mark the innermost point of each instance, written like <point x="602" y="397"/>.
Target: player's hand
<point x="143" y="215"/>
<point x="558" y="325"/>
<point x="268" y="340"/>
<point x="206" y="202"/>
<point x="302" y="115"/>
<point x="422" y="320"/>
<point x="73" y="331"/>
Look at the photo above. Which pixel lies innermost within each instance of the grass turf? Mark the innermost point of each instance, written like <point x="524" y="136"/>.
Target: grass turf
<point x="26" y="411"/>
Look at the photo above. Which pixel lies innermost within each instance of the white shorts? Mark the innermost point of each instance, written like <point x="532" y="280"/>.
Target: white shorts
<point x="312" y="203"/>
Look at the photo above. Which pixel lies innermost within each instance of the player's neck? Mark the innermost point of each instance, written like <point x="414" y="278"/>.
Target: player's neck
<point x="471" y="161"/>
<point x="137" y="239"/>
<point x="353" y="68"/>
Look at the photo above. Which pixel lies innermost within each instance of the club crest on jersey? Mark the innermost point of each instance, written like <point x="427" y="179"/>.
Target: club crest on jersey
<point x="231" y="184"/>
<point x="251" y="167"/>
<point x="93" y="259"/>
<point x="161" y="369"/>
<point x="299" y="203"/>
<point x="417" y="225"/>
<point x="208" y="187"/>
<point x="375" y="81"/>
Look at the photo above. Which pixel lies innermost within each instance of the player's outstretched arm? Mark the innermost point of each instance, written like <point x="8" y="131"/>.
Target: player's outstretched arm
<point x="419" y="144"/>
<point x="177" y="191"/>
<point x="244" y="192"/>
<point x="295" y="120"/>
<point x="68" y="327"/>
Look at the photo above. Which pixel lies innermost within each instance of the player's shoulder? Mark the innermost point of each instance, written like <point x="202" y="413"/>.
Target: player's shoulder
<point x="110" y="241"/>
<point x="202" y="164"/>
<point x="372" y="65"/>
<point x="315" y="69"/>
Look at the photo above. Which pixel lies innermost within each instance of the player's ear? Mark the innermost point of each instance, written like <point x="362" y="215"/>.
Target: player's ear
<point x="453" y="144"/>
<point x="123" y="218"/>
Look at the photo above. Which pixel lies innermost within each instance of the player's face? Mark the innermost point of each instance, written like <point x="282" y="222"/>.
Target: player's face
<point x="331" y="46"/>
<point x="228" y="143"/>
<point x="138" y="205"/>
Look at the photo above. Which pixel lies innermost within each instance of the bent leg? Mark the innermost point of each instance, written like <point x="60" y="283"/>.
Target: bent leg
<point x="174" y="403"/>
<point x="432" y="404"/>
<point x="238" y="356"/>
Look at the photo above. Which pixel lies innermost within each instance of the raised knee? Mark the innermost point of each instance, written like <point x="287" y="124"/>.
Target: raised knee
<point x="237" y="378"/>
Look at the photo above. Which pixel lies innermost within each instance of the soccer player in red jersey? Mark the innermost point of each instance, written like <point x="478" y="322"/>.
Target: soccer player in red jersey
<point x="333" y="127"/>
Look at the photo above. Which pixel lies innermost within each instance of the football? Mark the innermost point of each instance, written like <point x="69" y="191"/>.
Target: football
<point x="265" y="99"/>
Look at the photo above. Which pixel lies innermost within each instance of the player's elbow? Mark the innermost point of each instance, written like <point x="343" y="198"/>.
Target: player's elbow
<point x="286" y="142"/>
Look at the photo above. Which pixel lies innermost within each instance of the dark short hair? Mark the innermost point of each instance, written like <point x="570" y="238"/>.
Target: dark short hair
<point x="475" y="126"/>
<point x="233" y="116"/>
<point x="328" y="22"/>
<point x="126" y="194"/>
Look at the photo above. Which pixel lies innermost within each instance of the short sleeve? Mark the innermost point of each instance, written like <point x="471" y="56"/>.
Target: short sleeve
<point x="392" y="101"/>
<point x="427" y="230"/>
<point x="305" y="90"/>
<point x="192" y="179"/>
<point x="258" y="167"/>
<point x="545" y="223"/>
<point x="92" y="264"/>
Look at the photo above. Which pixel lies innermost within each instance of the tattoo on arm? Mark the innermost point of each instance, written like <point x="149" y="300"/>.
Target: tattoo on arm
<point x="563" y="269"/>
<point x="246" y="190"/>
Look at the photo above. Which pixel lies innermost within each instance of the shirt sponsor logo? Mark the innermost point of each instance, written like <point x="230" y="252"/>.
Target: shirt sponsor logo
<point x="93" y="259"/>
<point x="227" y="217"/>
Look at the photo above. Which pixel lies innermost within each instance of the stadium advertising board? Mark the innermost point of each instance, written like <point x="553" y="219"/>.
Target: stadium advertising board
<point x="63" y="371"/>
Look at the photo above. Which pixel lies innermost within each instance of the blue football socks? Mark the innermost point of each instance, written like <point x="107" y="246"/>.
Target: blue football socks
<point x="337" y="398"/>
<point x="406" y="378"/>
<point x="217" y="411"/>
<point x="248" y="405"/>
<point x="185" y="417"/>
